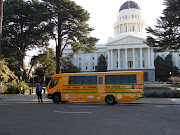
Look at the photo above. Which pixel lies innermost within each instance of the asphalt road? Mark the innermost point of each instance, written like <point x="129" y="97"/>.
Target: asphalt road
<point x="88" y="119"/>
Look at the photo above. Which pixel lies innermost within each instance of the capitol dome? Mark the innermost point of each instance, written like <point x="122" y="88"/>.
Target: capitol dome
<point x="128" y="5"/>
<point x="130" y="21"/>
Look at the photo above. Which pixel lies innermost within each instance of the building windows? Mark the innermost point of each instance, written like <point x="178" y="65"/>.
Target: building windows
<point x="123" y="17"/>
<point x="122" y="54"/>
<point x="133" y="28"/>
<point x="130" y="64"/>
<point x="126" y="28"/>
<point x="132" y="16"/>
<point x="93" y="65"/>
<point x="126" y="16"/>
<point x="117" y="64"/>
<point x="138" y="63"/>
<point x="143" y="63"/>
<point x="135" y="16"/>
<point x="143" y="54"/>
<point x="93" y="58"/>
<point x="122" y="64"/>
<point x="86" y="66"/>
<point x="79" y="65"/>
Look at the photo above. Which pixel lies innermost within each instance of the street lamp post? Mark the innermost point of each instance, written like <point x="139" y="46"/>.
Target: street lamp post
<point x="20" y="78"/>
<point x="33" y="81"/>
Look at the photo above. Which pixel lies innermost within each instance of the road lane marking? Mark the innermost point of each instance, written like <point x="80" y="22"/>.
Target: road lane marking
<point x="83" y="106"/>
<point x="3" y="104"/>
<point x="73" y="112"/>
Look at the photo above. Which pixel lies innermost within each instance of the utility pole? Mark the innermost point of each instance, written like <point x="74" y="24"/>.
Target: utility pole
<point x="1" y="18"/>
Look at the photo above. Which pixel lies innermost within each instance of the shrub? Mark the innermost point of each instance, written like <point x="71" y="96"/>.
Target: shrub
<point x="9" y="81"/>
<point x="174" y="79"/>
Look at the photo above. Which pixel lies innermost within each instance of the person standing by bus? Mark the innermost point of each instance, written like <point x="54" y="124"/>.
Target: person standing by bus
<point x="38" y="93"/>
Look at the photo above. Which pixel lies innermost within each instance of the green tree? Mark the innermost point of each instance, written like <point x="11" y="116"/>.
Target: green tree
<point x="159" y="68"/>
<point x="70" y="28"/>
<point x="24" y="28"/>
<point x="171" y="70"/>
<point x="164" y="68"/>
<point x="102" y="65"/>
<point x="46" y="66"/>
<point x="166" y="35"/>
<point x="68" y="66"/>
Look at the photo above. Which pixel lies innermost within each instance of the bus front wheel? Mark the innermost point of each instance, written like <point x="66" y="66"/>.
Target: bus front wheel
<point x="56" y="98"/>
<point x="110" y="99"/>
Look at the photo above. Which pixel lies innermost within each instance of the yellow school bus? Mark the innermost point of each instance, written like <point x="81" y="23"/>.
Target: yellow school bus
<point x="98" y="86"/>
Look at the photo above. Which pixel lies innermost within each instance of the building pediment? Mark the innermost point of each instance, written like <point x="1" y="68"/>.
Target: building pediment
<point x="127" y="41"/>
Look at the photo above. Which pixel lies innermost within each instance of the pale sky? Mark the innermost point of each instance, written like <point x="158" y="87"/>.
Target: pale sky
<point x="103" y="15"/>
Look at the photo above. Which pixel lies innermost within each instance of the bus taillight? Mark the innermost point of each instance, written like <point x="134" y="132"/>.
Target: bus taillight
<point x="136" y="86"/>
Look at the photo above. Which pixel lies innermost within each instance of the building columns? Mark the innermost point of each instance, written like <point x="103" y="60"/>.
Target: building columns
<point x="96" y="59"/>
<point x="152" y="57"/>
<point x="149" y="58"/>
<point x="82" y="60"/>
<point x="75" y="59"/>
<point x="126" y="66"/>
<point x="134" y="60"/>
<point x="177" y="60"/>
<point x="119" y="59"/>
<point x="89" y="62"/>
<point x="109" y="59"/>
<point x="112" y="62"/>
<point x="141" y="59"/>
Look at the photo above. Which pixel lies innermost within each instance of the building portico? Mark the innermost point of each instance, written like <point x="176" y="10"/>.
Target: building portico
<point x="130" y="58"/>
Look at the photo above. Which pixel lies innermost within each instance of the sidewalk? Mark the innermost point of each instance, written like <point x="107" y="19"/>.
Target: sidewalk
<point x="23" y="98"/>
<point x="33" y="99"/>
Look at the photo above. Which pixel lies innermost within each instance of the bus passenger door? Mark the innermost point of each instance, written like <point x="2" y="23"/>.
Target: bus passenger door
<point x="100" y="84"/>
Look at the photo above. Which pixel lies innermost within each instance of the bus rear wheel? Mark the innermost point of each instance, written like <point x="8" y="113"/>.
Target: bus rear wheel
<point x="56" y="98"/>
<point x="110" y="99"/>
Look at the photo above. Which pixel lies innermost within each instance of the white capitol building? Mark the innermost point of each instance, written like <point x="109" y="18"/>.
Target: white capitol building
<point x="127" y="50"/>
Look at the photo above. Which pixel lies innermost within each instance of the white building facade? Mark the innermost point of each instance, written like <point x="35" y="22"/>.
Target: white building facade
<point x="127" y="50"/>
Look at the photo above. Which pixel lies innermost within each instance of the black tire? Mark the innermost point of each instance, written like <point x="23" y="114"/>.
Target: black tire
<point x="56" y="98"/>
<point x="63" y="102"/>
<point x="110" y="99"/>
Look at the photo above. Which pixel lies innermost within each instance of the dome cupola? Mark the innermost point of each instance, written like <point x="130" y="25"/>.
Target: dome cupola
<point x="129" y="5"/>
